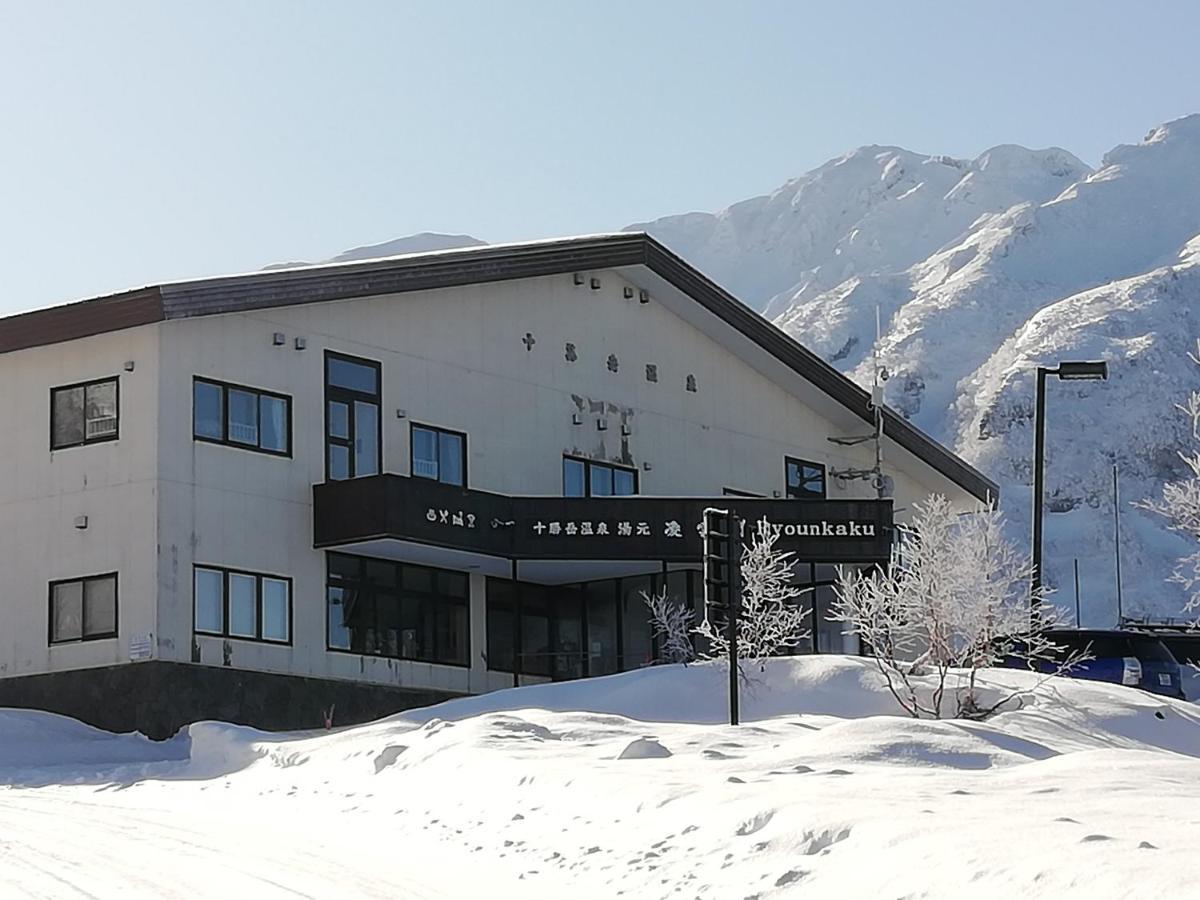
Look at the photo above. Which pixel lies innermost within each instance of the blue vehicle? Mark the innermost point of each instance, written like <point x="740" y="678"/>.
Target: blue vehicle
<point x="1120" y="657"/>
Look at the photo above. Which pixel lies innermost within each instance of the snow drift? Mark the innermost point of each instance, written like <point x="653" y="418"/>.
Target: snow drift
<point x="629" y="785"/>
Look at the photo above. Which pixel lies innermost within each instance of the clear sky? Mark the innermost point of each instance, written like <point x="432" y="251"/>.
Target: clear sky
<point x="145" y="141"/>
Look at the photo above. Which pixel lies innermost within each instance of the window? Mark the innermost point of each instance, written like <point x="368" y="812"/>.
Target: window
<point x="805" y="480"/>
<point x="241" y="417"/>
<point x="83" y="609"/>
<point x="243" y="605"/>
<point x="353" y="429"/>
<point x="565" y="631"/>
<point x="381" y="608"/>
<point x="439" y="455"/>
<point x="83" y="414"/>
<point x="584" y="478"/>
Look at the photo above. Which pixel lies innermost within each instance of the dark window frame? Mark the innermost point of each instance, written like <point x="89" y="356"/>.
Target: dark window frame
<point x="348" y="396"/>
<point x="438" y="431"/>
<point x="258" y="577"/>
<point x="398" y="566"/>
<point x="225" y="441"/>
<point x="116" y="435"/>
<point x="802" y="463"/>
<point x="84" y="638"/>
<point x="587" y="475"/>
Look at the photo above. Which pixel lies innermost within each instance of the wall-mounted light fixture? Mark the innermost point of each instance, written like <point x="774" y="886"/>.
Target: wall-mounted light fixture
<point x="625" y="429"/>
<point x="627" y="291"/>
<point x="643" y="296"/>
<point x="81" y="522"/>
<point x="301" y="343"/>
<point x="401" y="413"/>
<point x="595" y="284"/>
<point x="129" y="365"/>
<point x="278" y="339"/>
<point x="576" y="419"/>
<point x="602" y="424"/>
<point x="647" y="467"/>
<point x="578" y="279"/>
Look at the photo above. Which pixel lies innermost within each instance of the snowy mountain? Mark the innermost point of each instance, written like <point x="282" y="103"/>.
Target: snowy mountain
<point x="1058" y="263"/>
<point x="423" y="242"/>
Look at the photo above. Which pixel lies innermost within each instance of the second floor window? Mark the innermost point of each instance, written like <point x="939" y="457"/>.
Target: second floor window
<point x="585" y="478"/>
<point x="241" y="417"/>
<point x="83" y="413"/>
<point x="439" y="455"/>
<point x="353" y="429"/>
<point x="805" y="480"/>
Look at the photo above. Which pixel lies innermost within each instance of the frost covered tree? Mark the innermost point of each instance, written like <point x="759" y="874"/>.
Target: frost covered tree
<point x="954" y="600"/>
<point x="1179" y="503"/>
<point x="671" y="623"/>
<point x="771" y="622"/>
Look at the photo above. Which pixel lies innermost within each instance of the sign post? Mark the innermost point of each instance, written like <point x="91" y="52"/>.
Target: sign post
<point x="723" y="586"/>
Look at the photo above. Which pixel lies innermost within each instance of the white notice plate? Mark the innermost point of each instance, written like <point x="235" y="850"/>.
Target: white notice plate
<point x="1164" y="679"/>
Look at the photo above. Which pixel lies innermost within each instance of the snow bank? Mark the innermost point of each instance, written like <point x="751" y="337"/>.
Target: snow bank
<point x="631" y="785"/>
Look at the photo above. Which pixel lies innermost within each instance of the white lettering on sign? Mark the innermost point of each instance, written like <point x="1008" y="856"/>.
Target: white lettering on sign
<point x="601" y="528"/>
<point x="453" y="518"/>
<point x="643" y="529"/>
<point x="823" y="529"/>
<point x="624" y="529"/>
<point x="672" y="529"/>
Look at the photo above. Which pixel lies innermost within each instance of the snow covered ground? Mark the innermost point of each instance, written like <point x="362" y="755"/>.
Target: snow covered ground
<point x="623" y="786"/>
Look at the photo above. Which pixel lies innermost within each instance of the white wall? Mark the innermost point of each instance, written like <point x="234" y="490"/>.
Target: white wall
<point x="455" y="358"/>
<point x="43" y="491"/>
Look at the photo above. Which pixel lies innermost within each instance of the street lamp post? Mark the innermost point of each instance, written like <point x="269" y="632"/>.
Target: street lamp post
<point x="1066" y="371"/>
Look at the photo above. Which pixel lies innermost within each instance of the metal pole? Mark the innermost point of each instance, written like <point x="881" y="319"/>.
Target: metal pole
<point x="1039" y="450"/>
<point x="1077" y="592"/>
<point x="1117" y="543"/>
<point x="734" y="549"/>
<point x="512" y="568"/>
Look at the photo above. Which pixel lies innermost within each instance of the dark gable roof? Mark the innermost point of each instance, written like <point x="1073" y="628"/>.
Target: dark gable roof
<point x="472" y="265"/>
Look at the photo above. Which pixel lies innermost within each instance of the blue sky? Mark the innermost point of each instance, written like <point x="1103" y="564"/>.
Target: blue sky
<point x="145" y="141"/>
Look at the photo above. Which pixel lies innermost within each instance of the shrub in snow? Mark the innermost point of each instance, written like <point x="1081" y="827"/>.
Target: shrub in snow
<point x="770" y="622"/>
<point x="671" y="623"/>
<point x="1180" y="503"/>
<point x="955" y="599"/>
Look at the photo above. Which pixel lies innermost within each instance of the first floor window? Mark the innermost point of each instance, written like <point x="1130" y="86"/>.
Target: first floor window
<point x="83" y="414"/>
<point x="805" y="480"/>
<point x="382" y="608"/>
<point x="585" y="478"/>
<point x="83" y="609"/>
<point x="241" y="417"/>
<point x="243" y="605"/>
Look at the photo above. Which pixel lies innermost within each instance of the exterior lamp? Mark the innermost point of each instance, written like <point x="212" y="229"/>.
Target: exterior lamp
<point x="1066" y="371"/>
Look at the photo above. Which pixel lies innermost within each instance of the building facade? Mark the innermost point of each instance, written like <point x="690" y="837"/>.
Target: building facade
<point x="373" y="485"/>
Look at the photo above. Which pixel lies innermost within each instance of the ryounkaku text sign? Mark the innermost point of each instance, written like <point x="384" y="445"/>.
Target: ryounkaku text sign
<point x="608" y="528"/>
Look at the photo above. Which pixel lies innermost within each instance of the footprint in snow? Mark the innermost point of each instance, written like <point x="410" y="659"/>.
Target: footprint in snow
<point x="1067" y="819"/>
<point x="1146" y="845"/>
<point x="757" y="823"/>
<point x="717" y="754"/>
<point x="645" y="748"/>
<point x="838" y="772"/>
<point x="1093" y="838"/>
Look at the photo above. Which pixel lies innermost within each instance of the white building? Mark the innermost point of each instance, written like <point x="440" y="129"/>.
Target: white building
<point x="258" y="496"/>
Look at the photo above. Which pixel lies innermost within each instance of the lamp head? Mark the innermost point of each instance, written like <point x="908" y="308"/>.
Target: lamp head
<point x="1082" y="371"/>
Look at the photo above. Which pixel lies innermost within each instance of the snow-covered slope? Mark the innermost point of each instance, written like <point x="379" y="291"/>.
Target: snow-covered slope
<point x="625" y="786"/>
<point x="877" y="209"/>
<point x="1059" y="263"/>
<point x="424" y="242"/>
